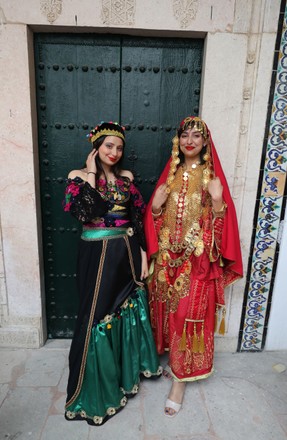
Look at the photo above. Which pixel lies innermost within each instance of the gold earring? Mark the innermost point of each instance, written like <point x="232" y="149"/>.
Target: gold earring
<point x="174" y="162"/>
<point x="206" y="157"/>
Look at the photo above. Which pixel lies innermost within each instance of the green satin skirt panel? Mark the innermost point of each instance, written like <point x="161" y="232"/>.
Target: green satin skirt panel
<point x="119" y="351"/>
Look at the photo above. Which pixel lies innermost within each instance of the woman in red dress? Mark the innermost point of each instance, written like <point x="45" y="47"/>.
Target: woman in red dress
<point x="194" y="251"/>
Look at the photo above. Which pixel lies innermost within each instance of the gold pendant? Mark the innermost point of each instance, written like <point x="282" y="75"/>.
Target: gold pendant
<point x="161" y="276"/>
<point x="171" y="272"/>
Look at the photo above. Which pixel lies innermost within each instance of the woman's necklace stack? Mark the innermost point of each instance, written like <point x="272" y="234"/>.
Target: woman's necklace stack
<point x="184" y="229"/>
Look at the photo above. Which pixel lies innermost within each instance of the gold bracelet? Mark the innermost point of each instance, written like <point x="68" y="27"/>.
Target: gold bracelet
<point x="221" y="211"/>
<point x="156" y="215"/>
<point x="91" y="172"/>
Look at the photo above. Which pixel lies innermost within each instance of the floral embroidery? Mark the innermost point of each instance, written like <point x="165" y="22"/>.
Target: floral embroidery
<point x="135" y="389"/>
<point x="110" y="205"/>
<point x="71" y="415"/>
<point x="72" y="191"/>
<point x="114" y="192"/>
<point x="124" y="401"/>
<point x="97" y="420"/>
<point x="137" y="198"/>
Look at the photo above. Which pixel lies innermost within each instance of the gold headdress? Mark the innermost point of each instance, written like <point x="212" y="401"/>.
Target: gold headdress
<point x="193" y="122"/>
<point x="106" y="129"/>
<point x="190" y="122"/>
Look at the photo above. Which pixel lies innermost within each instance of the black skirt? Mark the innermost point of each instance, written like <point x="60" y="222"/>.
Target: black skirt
<point x="113" y="342"/>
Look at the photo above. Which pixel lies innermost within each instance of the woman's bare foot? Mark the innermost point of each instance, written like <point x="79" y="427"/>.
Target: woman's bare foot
<point x="175" y="398"/>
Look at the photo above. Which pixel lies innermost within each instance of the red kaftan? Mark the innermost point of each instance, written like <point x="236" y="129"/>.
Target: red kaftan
<point x="194" y="255"/>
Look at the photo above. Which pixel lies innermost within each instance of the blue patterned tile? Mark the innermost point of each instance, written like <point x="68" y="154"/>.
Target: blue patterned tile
<point x="269" y="212"/>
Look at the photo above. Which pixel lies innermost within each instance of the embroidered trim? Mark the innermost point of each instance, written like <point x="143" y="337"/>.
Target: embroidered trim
<point x="190" y="379"/>
<point x="131" y="262"/>
<point x="90" y="324"/>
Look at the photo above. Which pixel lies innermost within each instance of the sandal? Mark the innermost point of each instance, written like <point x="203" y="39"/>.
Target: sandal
<point x="171" y="408"/>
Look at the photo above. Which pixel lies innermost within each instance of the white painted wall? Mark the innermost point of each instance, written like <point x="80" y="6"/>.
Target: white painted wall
<point x="277" y="325"/>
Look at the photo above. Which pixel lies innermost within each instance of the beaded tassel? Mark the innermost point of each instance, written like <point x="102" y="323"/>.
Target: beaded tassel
<point x="201" y="340"/>
<point x="182" y="344"/>
<point x="221" y="330"/>
<point x="194" y="340"/>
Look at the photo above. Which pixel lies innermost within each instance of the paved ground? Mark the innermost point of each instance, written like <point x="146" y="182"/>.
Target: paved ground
<point x="246" y="398"/>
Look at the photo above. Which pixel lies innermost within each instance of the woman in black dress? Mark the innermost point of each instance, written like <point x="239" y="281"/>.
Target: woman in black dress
<point x="113" y="343"/>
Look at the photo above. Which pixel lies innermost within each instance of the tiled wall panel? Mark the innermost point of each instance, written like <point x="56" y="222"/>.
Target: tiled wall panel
<point x="270" y="204"/>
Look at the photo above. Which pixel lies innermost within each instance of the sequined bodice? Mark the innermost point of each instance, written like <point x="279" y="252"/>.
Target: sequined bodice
<point x="183" y="207"/>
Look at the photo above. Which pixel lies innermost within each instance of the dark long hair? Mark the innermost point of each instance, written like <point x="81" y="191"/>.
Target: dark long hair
<point x="115" y="168"/>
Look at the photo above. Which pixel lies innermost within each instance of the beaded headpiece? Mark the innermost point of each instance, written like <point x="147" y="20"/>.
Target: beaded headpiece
<point x="190" y="122"/>
<point x="106" y="129"/>
<point x="195" y="123"/>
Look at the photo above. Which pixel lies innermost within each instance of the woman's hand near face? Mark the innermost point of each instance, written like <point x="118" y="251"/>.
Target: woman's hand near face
<point x="215" y="189"/>
<point x="91" y="161"/>
<point x="92" y="168"/>
<point x="159" y="198"/>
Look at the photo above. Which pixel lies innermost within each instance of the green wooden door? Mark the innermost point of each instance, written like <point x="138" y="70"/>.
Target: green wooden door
<point x="146" y="84"/>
